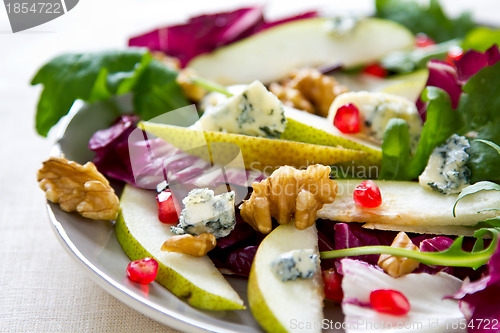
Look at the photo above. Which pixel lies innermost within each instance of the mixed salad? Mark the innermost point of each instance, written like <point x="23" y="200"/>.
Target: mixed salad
<point x="344" y="160"/>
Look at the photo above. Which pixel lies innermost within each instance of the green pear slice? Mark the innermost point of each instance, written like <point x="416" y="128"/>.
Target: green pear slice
<point x="141" y="234"/>
<point x="408" y="204"/>
<point x="258" y="153"/>
<point x="274" y="53"/>
<point x="283" y="306"/>
<point x="300" y="132"/>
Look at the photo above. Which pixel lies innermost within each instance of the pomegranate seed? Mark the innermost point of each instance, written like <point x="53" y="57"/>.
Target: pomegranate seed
<point x="143" y="271"/>
<point x="167" y="212"/>
<point x="375" y="70"/>
<point x="454" y="54"/>
<point x="333" y="285"/>
<point x="422" y="40"/>
<point x="347" y="119"/>
<point x="389" y="301"/>
<point x="367" y="194"/>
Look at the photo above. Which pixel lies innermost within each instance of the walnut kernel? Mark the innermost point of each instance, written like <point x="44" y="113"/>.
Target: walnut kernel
<point x="197" y="246"/>
<point x="397" y="266"/>
<point x="289" y="193"/>
<point x="79" y="188"/>
<point x="192" y="91"/>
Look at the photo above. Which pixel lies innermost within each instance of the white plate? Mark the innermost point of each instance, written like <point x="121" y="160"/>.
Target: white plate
<point x="94" y="246"/>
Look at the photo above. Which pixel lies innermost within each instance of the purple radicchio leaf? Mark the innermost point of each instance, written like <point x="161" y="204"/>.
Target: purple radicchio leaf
<point x="479" y="299"/>
<point x="472" y="61"/>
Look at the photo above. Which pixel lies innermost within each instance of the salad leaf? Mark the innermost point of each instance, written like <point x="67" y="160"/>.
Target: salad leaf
<point x="435" y="244"/>
<point x="481" y="39"/>
<point x="101" y="75"/>
<point x="472" y="189"/>
<point x="86" y="76"/>
<point x="429" y="19"/>
<point x="453" y="256"/>
<point x="472" y="61"/>
<point x="442" y="122"/>
<point x="395" y="150"/>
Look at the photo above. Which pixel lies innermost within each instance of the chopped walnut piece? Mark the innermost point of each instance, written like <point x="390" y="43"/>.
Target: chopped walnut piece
<point x="289" y="193"/>
<point x="192" y="91"/>
<point x="397" y="266"/>
<point x="309" y="90"/>
<point x="197" y="246"/>
<point x="291" y="97"/>
<point x="79" y="188"/>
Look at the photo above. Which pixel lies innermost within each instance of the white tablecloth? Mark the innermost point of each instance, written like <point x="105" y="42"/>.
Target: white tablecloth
<point x="41" y="289"/>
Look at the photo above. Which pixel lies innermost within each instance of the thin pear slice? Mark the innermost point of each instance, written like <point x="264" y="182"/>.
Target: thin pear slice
<point x="274" y="53"/>
<point x="409" y="204"/>
<point x="282" y="306"/>
<point x="141" y="234"/>
<point x="298" y="131"/>
<point x="258" y="153"/>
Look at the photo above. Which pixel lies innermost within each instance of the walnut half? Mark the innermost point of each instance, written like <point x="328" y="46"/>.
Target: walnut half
<point x="197" y="246"/>
<point x="289" y="193"/>
<point x="79" y="188"/>
<point x="397" y="266"/>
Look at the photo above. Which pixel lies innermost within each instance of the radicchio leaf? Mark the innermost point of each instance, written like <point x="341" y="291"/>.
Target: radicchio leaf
<point x="205" y="33"/>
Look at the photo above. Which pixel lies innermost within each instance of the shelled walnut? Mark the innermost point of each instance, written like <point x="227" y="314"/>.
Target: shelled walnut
<point x="397" y="266"/>
<point x="79" y="188"/>
<point x="289" y="193"/>
<point x="197" y="246"/>
<point x="309" y="90"/>
<point x="192" y="91"/>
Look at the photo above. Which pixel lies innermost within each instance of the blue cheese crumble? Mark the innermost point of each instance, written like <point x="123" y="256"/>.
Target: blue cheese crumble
<point x="254" y="111"/>
<point x="295" y="264"/>
<point x="206" y="213"/>
<point x="446" y="171"/>
<point x="376" y="109"/>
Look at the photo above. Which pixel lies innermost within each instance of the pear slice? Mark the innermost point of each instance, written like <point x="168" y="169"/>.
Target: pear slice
<point x="410" y="204"/>
<point x="274" y="53"/>
<point x="258" y="153"/>
<point x="141" y="234"/>
<point x="298" y="131"/>
<point x="285" y="306"/>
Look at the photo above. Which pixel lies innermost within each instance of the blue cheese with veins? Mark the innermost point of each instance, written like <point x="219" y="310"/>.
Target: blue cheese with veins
<point x="295" y="264"/>
<point x="205" y="212"/>
<point x="446" y="171"/>
<point x="254" y="111"/>
<point x="376" y="109"/>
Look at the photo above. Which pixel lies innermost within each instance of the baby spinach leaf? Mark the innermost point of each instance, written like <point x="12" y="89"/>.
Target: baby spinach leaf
<point x="96" y="76"/>
<point x="395" y="150"/>
<point x="481" y="39"/>
<point x="427" y="18"/>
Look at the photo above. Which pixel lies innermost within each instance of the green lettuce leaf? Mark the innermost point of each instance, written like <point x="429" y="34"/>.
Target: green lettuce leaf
<point x="481" y="39"/>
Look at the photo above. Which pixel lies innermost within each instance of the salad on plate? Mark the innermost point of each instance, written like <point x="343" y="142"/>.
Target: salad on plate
<point x="345" y="163"/>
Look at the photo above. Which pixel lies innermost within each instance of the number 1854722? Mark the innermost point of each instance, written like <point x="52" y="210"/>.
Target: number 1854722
<point x="35" y="8"/>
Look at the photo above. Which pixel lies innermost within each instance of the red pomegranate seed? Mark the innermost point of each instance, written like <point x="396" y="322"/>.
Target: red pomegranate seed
<point x="454" y="54"/>
<point x="422" y="40"/>
<point x="167" y="212"/>
<point x="389" y="301"/>
<point x="375" y="70"/>
<point x="143" y="271"/>
<point x="333" y="285"/>
<point x="347" y="119"/>
<point x="367" y="194"/>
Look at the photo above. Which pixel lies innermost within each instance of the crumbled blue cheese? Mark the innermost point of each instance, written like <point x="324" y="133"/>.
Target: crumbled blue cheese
<point x="206" y="213"/>
<point x="295" y="264"/>
<point x="376" y="109"/>
<point x="254" y="111"/>
<point x="446" y="171"/>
